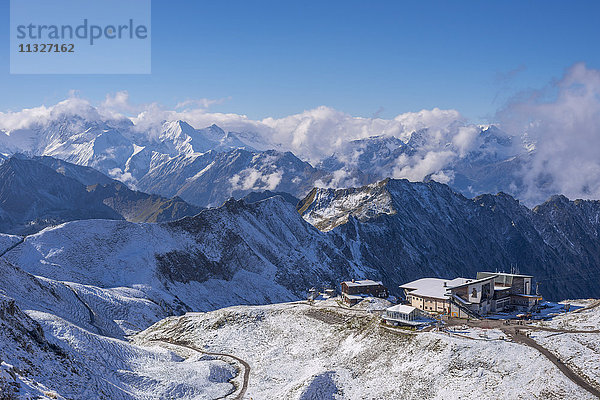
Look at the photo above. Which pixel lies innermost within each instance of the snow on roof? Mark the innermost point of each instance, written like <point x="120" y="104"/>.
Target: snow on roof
<point x="364" y="282"/>
<point x="432" y="287"/>
<point x="472" y="281"/>
<point x="486" y="273"/>
<point x="401" y="308"/>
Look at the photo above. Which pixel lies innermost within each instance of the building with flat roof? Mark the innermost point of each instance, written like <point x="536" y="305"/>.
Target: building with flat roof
<point x="490" y="292"/>
<point x="356" y="290"/>
<point x="402" y="314"/>
<point x="429" y="294"/>
<point x="512" y="291"/>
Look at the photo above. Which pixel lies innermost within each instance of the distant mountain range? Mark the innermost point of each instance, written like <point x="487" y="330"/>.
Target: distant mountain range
<point x="207" y="166"/>
<point x="185" y="168"/>
<point x="42" y="191"/>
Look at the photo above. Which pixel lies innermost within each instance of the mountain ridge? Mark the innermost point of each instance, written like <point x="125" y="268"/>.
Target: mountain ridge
<point x="43" y="191"/>
<point x="473" y="159"/>
<point x="440" y="233"/>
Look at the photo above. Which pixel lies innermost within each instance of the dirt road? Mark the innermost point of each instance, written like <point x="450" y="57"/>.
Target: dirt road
<point x="190" y="346"/>
<point x="569" y="373"/>
<point x="517" y="331"/>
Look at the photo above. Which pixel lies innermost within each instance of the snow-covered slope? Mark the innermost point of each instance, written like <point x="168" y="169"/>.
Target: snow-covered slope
<point x="7" y="241"/>
<point x="298" y="351"/>
<point x="237" y="254"/>
<point x="43" y="356"/>
<point x="576" y="348"/>
<point x="64" y="340"/>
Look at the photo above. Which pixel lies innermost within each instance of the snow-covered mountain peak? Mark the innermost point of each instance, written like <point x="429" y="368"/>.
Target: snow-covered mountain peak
<point x="178" y="127"/>
<point x="328" y="208"/>
<point x="474" y="159"/>
<point x="182" y="138"/>
<point x="213" y="132"/>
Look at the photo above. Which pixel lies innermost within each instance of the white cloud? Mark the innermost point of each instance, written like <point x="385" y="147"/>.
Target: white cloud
<point x="341" y="178"/>
<point x="312" y="135"/>
<point x="433" y="119"/>
<point x="443" y="176"/>
<point x="419" y="167"/>
<point x="253" y="179"/>
<point x="203" y="103"/>
<point x="125" y="177"/>
<point x="465" y="139"/>
<point x="563" y="121"/>
<point x="31" y="117"/>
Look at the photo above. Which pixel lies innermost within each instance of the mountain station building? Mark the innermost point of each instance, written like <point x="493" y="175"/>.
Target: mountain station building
<point x="489" y="292"/>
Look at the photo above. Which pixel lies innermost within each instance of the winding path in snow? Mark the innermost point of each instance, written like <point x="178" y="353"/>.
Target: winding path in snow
<point x="518" y="335"/>
<point x="569" y="373"/>
<point x="190" y="346"/>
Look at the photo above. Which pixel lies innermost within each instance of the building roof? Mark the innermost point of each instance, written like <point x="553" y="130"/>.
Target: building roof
<point x="486" y="274"/>
<point x="401" y="308"/>
<point x="432" y="287"/>
<point x="364" y="282"/>
<point x="472" y="281"/>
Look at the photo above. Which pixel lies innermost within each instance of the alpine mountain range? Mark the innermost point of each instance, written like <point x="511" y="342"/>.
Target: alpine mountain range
<point x="75" y="167"/>
<point x="108" y="229"/>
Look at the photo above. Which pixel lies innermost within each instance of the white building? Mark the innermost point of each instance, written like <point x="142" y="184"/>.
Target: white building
<point x="402" y="314"/>
<point x="475" y="295"/>
<point x="429" y="294"/>
<point x="490" y="292"/>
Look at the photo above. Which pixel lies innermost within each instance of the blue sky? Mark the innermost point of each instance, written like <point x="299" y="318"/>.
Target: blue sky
<point x="275" y="58"/>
